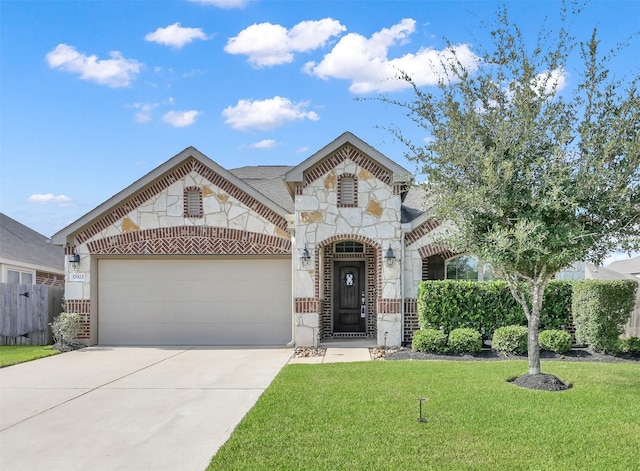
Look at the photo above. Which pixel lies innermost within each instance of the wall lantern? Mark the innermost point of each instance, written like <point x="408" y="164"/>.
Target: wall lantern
<point x="305" y="258"/>
<point x="390" y="257"/>
<point x="74" y="261"/>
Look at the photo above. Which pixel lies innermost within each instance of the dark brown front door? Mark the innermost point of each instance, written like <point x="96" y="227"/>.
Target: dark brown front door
<point x="348" y="292"/>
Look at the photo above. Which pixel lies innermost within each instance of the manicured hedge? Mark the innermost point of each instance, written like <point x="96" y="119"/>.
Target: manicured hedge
<point x="486" y="305"/>
<point x="600" y="311"/>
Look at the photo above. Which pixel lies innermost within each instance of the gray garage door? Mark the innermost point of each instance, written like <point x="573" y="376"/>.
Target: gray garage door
<point x="194" y="302"/>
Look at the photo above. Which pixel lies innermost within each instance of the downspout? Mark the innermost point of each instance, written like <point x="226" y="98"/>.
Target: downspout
<point x="294" y="251"/>
<point x="402" y="234"/>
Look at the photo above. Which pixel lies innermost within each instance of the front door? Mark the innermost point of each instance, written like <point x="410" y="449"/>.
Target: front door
<point x="349" y="292"/>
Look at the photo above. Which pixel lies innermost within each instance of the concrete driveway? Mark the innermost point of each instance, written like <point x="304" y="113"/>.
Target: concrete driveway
<point x="121" y="408"/>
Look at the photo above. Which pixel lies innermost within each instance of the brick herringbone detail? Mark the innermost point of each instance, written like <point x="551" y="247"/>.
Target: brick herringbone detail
<point x="429" y="250"/>
<point x="190" y="165"/>
<point x="191" y="240"/>
<point x="422" y="230"/>
<point x="343" y="153"/>
<point x="82" y="307"/>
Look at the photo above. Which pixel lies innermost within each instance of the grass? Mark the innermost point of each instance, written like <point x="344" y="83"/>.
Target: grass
<point x="362" y="416"/>
<point x="14" y="354"/>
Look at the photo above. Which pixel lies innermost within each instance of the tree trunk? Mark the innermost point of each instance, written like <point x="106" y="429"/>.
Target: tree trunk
<point x="533" y="345"/>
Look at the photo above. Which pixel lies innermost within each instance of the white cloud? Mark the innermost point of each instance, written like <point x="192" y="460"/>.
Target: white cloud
<point x="264" y="144"/>
<point x="145" y="111"/>
<point x="366" y="64"/>
<point x="267" y="44"/>
<point x="181" y="119"/>
<point x="266" y="114"/>
<point x="175" y="36"/>
<point x="223" y="3"/>
<point x="550" y="82"/>
<point x="115" y="72"/>
<point x="39" y="198"/>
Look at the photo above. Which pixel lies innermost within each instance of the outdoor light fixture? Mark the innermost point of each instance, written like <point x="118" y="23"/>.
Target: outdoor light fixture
<point x="74" y="261"/>
<point x="305" y="258"/>
<point x="390" y="257"/>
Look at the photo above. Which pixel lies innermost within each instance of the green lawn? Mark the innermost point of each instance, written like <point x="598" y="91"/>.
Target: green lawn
<point x="362" y="416"/>
<point x="11" y="355"/>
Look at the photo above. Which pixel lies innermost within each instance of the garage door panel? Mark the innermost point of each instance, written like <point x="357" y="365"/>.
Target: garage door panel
<point x="194" y="302"/>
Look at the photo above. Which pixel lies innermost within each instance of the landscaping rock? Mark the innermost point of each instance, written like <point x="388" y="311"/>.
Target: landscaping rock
<point x="307" y="352"/>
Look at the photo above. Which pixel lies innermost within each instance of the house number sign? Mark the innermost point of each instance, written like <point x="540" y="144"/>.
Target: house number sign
<point x="77" y="276"/>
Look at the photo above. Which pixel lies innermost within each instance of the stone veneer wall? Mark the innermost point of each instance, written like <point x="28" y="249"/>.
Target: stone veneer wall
<point x="154" y="222"/>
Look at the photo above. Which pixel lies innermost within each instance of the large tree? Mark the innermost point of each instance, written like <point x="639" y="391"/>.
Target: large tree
<point x="531" y="176"/>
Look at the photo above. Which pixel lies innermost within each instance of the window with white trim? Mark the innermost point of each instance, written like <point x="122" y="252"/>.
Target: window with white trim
<point x="19" y="277"/>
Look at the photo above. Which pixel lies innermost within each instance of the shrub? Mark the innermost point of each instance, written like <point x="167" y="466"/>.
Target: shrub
<point x="486" y="305"/>
<point x="511" y="339"/>
<point x="630" y="345"/>
<point x="557" y="341"/>
<point x="429" y="340"/>
<point x="600" y="311"/>
<point x="465" y="340"/>
<point x="66" y="327"/>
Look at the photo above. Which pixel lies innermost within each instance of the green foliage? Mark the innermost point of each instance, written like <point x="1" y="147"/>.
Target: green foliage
<point x="557" y="341"/>
<point x="475" y="419"/>
<point x="465" y="340"/>
<point x="529" y="176"/>
<point x="485" y="306"/>
<point x="630" y="345"/>
<point x="66" y="327"/>
<point x="429" y="340"/>
<point x="511" y="339"/>
<point x="600" y="311"/>
<point x="14" y="354"/>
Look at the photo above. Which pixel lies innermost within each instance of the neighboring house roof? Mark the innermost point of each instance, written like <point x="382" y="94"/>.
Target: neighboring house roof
<point x="631" y="266"/>
<point x="20" y="245"/>
<point x="60" y="238"/>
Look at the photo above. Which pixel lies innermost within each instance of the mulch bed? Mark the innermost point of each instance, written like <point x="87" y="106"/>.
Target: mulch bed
<point x="543" y="382"/>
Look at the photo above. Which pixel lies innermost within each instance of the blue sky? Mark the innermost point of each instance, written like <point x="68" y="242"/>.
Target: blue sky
<point x="94" y="95"/>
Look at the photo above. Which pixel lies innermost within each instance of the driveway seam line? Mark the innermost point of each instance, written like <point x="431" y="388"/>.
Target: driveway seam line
<point x="92" y="389"/>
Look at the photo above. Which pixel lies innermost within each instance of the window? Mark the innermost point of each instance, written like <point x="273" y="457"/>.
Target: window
<point x="20" y="277"/>
<point x="193" y="202"/>
<point x="348" y="246"/>
<point x="467" y="267"/>
<point x="347" y="191"/>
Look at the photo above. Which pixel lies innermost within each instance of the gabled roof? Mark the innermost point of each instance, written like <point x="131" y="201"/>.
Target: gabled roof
<point x="268" y="180"/>
<point x="22" y="245"/>
<point x="626" y="266"/>
<point x="60" y="238"/>
<point x="296" y="174"/>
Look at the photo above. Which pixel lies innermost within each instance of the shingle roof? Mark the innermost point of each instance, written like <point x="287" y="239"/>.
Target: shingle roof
<point x="22" y="244"/>
<point x="415" y="203"/>
<point x="268" y="180"/>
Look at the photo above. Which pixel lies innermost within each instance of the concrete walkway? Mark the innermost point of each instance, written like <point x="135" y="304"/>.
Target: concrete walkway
<point x="117" y="408"/>
<point x="340" y="351"/>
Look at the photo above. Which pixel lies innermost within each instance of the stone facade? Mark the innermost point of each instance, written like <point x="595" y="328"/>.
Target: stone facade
<point x="345" y="193"/>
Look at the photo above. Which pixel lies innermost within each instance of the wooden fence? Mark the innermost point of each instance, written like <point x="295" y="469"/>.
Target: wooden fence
<point x="26" y="311"/>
